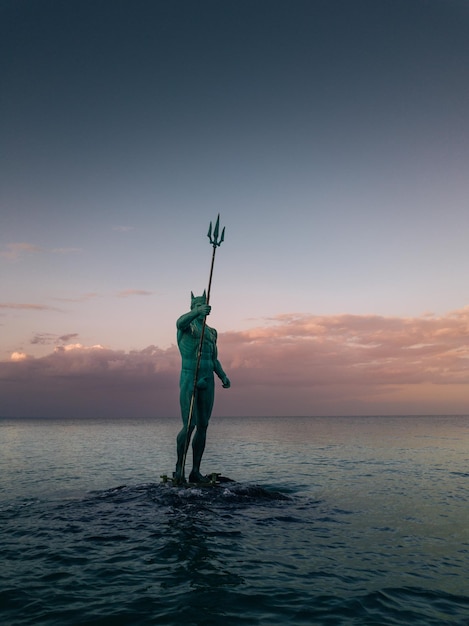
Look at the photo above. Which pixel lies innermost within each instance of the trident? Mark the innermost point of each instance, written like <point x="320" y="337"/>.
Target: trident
<point x="216" y="243"/>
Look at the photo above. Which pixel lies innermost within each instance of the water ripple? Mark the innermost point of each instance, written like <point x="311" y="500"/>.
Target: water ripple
<point x="352" y="542"/>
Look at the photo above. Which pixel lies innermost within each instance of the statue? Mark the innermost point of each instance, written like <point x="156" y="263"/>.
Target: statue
<point x="197" y="385"/>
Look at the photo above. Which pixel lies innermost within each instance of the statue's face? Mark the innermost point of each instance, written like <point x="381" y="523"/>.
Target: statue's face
<point x="195" y="300"/>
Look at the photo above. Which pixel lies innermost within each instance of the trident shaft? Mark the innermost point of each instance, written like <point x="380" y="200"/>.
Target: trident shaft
<point x="216" y="243"/>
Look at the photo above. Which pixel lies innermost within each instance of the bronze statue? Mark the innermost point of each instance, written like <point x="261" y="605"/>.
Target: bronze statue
<point x="197" y="344"/>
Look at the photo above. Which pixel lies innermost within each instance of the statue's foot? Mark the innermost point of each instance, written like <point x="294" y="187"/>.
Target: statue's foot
<point x="196" y="477"/>
<point x="178" y="478"/>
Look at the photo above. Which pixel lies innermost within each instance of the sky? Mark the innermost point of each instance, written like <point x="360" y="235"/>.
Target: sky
<point x="331" y="136"/>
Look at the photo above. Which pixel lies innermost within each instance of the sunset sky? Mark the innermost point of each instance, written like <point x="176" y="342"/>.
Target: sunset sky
<point x="332" y="137"/>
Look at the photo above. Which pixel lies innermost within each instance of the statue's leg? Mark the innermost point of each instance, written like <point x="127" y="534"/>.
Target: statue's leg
<point x="205" y="400"/>
<point x="182" y="438"/>
<point x="180" y="442"/>
<point x="198" y="447"/>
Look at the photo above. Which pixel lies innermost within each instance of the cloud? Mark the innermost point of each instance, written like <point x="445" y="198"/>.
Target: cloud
<point x="65" y="338"/>
<point x="125" y="293"/>
<point x="78" y="346"/>
<point x="294" y="365"/>
<point x="14" y="251"/>
<point x="51" y="338"/>
<point x="133" y="292"/>
<point x="43" y="339"/>
<point x="83" y="298"/>
<point x="352" y="349"/>
<point x="66" y="250"/>
<point x="26" y="306"/>
<point x="77" y="380"/>
<point x="17" y="250"/>
<point x="346" y="364"/>
<point x="123" y="229"/>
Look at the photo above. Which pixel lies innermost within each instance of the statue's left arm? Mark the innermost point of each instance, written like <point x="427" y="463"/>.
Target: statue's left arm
<point x="217" y="367"/>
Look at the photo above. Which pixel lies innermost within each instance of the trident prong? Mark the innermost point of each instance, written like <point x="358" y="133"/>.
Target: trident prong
<point x="214" y="240"/>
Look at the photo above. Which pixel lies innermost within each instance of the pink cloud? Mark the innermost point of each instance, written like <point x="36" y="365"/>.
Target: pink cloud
<point x="17" y="250"/>
<point x="26" y="306"/>
<point x="83" y="298"/>
<point x="14" y="251"/>
<point x="133" y="292"/>
<point x="66" y="250"/>
<point x="295" y="365"/>
<point x="311" y="350"/>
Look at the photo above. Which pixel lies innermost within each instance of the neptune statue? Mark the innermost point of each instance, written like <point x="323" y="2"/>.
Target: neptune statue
<point x="197" y="344"/>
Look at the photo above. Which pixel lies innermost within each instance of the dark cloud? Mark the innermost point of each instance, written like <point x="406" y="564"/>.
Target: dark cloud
<point x="75" y="380"/>
<point x="66" y="338"/>
<point x="45" y="339"/>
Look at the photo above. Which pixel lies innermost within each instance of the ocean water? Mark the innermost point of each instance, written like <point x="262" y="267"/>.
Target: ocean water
<point x="330" y="521"/>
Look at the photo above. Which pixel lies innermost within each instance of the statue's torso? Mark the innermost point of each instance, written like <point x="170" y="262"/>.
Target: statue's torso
<point x="188" y="343"/>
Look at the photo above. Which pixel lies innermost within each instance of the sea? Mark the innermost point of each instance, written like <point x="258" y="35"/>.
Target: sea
<point x="334" y="521"/>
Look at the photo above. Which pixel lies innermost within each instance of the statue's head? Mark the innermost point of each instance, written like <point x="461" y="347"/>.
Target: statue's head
<point x="198" y="299"/>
